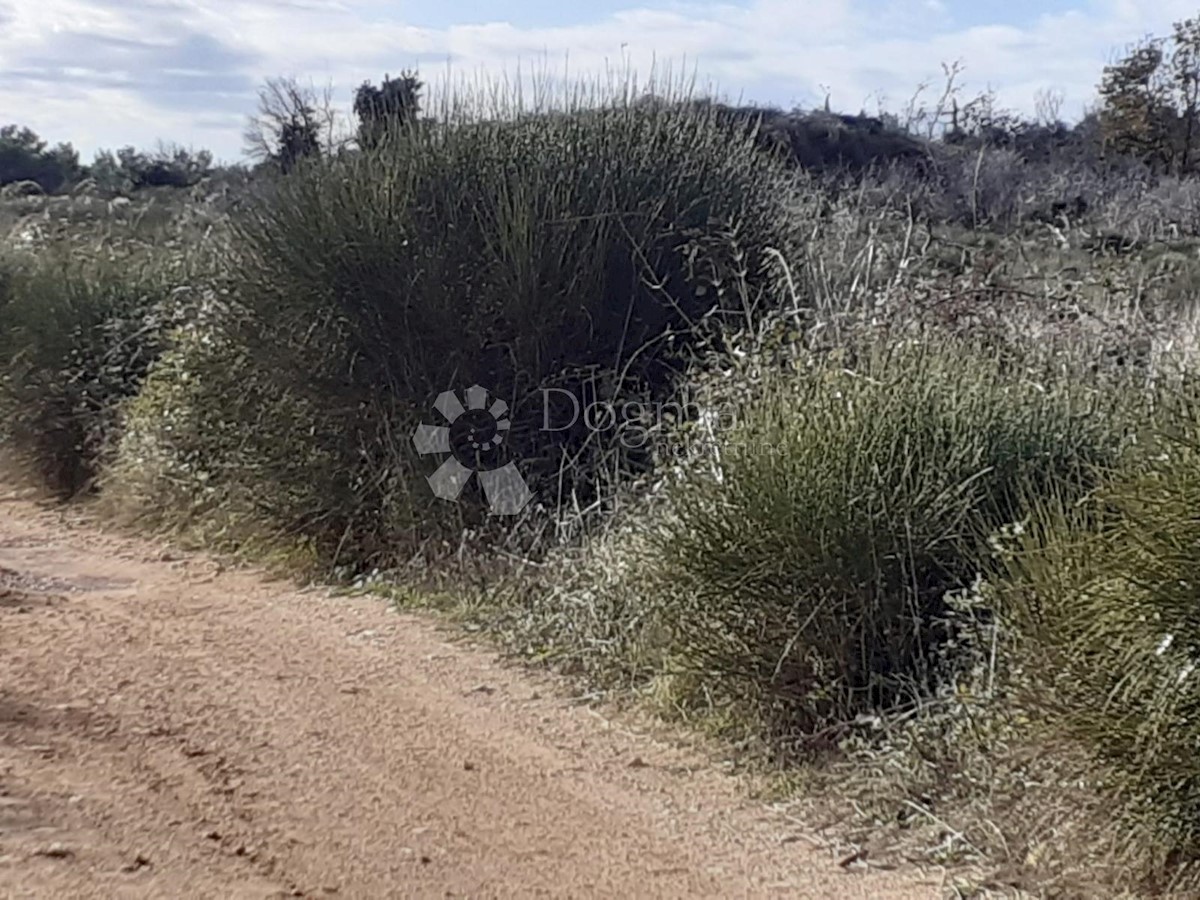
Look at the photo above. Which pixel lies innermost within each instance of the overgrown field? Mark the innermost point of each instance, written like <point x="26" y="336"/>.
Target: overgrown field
<point x="887" y="480"/>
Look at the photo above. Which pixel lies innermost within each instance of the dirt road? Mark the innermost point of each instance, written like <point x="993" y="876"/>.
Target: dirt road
<point x="171" y="730"/>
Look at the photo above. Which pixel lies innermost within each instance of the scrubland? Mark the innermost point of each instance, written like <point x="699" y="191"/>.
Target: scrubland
<point x="897" y="497"/>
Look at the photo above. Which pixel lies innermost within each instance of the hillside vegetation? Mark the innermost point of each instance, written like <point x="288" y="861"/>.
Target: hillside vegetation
<point x="870" y="445"/>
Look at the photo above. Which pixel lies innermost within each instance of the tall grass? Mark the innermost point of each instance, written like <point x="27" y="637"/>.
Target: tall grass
<point x="78" y="334"/>
<point x="214" y="451"/>
<point x="807" y="584"/>
<point x="578" y="249"/>
<point x="1106" y="601"/>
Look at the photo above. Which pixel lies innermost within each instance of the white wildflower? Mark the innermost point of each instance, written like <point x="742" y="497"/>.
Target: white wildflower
<point x="1185" y="672"/>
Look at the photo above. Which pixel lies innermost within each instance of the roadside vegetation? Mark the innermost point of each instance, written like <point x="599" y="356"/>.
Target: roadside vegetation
<point x="881" y="448"/>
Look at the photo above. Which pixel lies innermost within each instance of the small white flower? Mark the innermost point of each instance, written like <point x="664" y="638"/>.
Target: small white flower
<point x="1185" y="672"/>
<point x="1164" y="645"/>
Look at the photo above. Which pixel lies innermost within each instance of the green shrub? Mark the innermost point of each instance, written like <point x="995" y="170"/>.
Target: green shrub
<point x="808" y="583"/>
<point x="212" y="449"/>
<point x="576" y="249"/>
<point x="1105" y="601"/>
<point x="77" y="336"/>
<point x="179" y="431"/>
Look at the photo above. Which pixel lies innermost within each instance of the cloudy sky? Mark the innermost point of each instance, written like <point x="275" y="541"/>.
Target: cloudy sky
<point x="104" y="73"/>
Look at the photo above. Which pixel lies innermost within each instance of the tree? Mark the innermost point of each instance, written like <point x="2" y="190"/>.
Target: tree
<point x="1185" y="77"/>
<point x="293" y="123"/>
<point x="393" y="105"/>
<point x="26" y="157"/>
<point x="1150" y="100"/>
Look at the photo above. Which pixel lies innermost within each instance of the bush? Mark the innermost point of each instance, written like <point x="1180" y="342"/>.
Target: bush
<point x="215" y="451"/>
<point x="168" y="166"/>
<point x="1106" y="602"/>
<point x="807" y="584"/>
<point x="178" y="430"/>
<point x="522" y="252"/>
<point x="77" y="336"/>
<point x="827" y="142"/>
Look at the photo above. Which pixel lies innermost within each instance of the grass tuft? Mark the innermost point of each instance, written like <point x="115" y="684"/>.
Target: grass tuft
<point x="80" y="334"/>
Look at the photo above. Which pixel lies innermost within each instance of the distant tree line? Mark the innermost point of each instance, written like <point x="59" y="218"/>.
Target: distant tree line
<point x="293" y="122"/>
<point x="25" y="157"/>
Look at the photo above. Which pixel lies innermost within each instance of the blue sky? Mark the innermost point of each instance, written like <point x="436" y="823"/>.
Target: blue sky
<point x="103" y="73"/>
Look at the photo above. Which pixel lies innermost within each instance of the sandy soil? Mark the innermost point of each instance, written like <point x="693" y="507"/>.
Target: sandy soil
<point x="170" y="729"/>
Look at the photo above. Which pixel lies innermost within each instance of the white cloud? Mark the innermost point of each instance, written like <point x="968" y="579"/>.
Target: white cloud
<point x="111" y="72"/>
